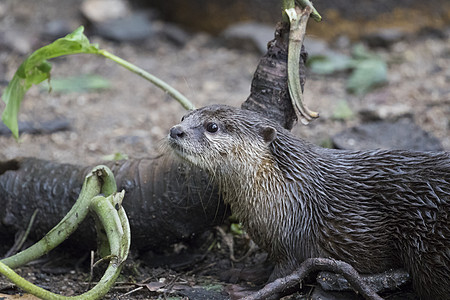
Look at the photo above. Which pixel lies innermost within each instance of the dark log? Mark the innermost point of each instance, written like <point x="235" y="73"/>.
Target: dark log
<point x="166" y="201"/>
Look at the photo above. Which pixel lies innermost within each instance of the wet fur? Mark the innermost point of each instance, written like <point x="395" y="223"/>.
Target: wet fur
<point x="376" y="210"/>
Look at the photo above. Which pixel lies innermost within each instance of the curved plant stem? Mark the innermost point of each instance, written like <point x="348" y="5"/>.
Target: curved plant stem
<point x="114" y="221"/>
<point x="91" y="187"/>
<point x="116" y="226"/>
<point x="296" y="35"/>
<point x="153" y="79"/>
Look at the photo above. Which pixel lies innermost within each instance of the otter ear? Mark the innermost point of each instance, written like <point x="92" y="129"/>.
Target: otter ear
<point x="268" y="134"/>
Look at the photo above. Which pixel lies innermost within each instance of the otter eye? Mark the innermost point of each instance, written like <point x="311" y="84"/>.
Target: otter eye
<point x="182" y="118"/>
<point x="212" y="127"/>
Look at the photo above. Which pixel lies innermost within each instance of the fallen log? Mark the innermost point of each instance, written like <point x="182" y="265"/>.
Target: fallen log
<point x="166" y="201"/>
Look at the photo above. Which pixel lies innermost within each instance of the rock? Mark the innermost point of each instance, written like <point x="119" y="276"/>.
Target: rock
<point x="342" y="42"/>
<point x="132" y="28"/>
<point x="56" y="29"/>
<point x="317" y="47"/>
<point x="114" y="20"/>
<point x="3" y="80"/>
<point x="440" y="33"/>
<point x="250" y="36"/>
<point x="384" y="37"/>
<point x="387" y="281"/>
<point x="3" y="9"/>
<point x="403" y="134"/>
<point x="320" y="294"/>
<point x="97" y="11"/>
<point x="199" y="293"/>
<point x="39" y="127"/>
<point x="254" y="36"/>
<point x="174" y="34"/>
<point x="385" y="112"/>
<point x="324" y="60"/>
<point x="17" y="41"/>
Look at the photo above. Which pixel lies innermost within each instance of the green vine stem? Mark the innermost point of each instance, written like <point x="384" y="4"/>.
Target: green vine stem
<point x="297" y="28"/>
<point x="298" y="21"/>
<point x="36" y="68"/>
<point x="91" y="187"/>
<point x="115" y="222"/>
<point x="113" y="218"/>
<point x="153" y="79"/>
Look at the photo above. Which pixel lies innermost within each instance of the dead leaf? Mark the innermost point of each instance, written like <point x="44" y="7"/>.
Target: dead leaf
<point x="154" y="286"/>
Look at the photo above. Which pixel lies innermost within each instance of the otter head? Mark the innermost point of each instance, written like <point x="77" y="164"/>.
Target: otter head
<point x="223" y="139"/>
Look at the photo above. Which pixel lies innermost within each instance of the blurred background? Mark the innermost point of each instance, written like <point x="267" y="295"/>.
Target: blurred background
<point x="341" y="17"/>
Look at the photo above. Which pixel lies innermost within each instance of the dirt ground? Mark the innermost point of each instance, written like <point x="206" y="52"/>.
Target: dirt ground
<point x="133" y="117"/>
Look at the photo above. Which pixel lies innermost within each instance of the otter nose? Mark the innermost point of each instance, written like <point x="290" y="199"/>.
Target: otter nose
<point x="176" y="132"/>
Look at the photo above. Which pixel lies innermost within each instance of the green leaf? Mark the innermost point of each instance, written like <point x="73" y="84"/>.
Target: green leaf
<point x="327" y="143"/>
<point x="360" y="51"/>
<point x="77" y="83"/>
<point x="36" y="69"/>
<point x="368" y="74"/>
<point x="368" y="70"/>
<point x="115" y="156"/>
<point x="342" y="111"/>
<point x="236" y="228"/>
<point x="326" y="65"/>
<point x="214" y="287"/>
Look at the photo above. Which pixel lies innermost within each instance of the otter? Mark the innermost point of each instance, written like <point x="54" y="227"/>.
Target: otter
<point x="377" y="210"/>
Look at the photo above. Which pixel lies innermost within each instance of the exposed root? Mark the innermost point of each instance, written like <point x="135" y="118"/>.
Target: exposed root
<point x="277" y="287"/>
